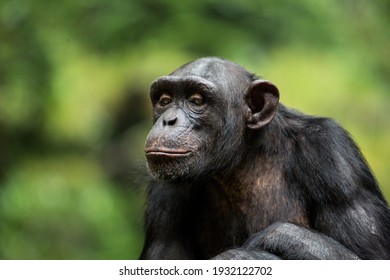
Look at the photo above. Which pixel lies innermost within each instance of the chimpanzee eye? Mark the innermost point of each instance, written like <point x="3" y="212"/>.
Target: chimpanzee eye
<point x="197" y="99"/>
<point x="165" y="99"/>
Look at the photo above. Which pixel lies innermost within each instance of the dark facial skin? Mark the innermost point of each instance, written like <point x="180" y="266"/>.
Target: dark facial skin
<point x="181" y="110"/>
<point x="193" y="120"/>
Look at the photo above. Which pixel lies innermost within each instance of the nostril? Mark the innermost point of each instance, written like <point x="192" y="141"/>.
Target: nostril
<point x="170" y="122"/>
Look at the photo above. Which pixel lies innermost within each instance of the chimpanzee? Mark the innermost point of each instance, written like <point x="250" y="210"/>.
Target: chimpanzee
<point x="237" y="175"/>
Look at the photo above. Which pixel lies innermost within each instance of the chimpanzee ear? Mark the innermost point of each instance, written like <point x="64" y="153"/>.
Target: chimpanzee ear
<point x="262" y="98"/>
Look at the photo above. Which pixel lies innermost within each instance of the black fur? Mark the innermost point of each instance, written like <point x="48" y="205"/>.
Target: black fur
<point x="240" y="176"/>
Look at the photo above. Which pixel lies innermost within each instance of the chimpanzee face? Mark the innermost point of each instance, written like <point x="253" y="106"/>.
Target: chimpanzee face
<point x="188" y="120"/>
<point x="200" y="113"/>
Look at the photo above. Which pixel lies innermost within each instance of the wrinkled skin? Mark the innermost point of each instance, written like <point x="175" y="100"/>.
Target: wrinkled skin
<point x="176" y="146"/>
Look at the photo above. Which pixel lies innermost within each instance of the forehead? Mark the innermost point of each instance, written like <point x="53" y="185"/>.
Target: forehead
<point x="173" y="82"/>
<point x="211" y="74"/>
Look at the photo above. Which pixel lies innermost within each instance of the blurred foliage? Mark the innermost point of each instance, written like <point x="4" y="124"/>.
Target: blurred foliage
<point x="74" y="109"/>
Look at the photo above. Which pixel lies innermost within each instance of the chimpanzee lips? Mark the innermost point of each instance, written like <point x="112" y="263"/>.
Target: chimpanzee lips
<point x="166" y="153"/>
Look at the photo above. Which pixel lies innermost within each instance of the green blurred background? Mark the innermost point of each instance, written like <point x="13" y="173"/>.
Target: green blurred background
<point x="74" y="111"/>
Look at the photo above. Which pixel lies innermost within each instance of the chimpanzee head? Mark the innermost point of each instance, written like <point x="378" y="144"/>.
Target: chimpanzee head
<point x="201" y="113"/>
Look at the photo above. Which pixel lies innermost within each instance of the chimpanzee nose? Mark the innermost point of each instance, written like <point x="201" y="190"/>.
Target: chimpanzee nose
<point x="169" y="121"/>
<point x="170" y="117"/>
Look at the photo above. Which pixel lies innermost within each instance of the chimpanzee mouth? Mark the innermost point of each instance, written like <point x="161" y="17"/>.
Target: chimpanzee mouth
<point x="167" y="153"/>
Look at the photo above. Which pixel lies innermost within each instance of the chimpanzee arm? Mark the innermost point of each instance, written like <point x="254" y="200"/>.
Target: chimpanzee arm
<point x="342" y="195"/>
<point x="246" y="254"/>
<point x="363" y="226"/>
<point x="166" y="228"/>
<point x="290" y="242"/>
